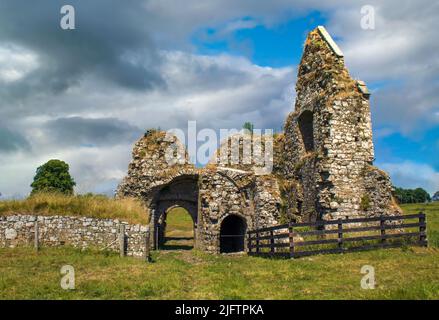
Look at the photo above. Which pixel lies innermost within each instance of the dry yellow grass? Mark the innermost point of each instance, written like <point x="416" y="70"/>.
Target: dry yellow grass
<point x="127" y="209"/>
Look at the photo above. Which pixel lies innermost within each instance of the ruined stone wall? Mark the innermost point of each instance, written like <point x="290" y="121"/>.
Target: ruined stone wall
<point x="209" y="194"/>
<point x="328" y="138"/>
<point x="322" y="163"/>
<point x="219" y="197"/>
<point x="377" y="198"/>
<point x="150" y="167"/>
<point x="256" y="199"/>
<point x="80" y="232"/>
<point x="267" y="201"/>
<point x="246" y="151"/>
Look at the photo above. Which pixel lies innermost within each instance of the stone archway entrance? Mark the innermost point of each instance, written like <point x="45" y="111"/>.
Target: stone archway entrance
<point x="232" y="234"/>
<point x="181" y="192"/>
<point x="179" y="232"/>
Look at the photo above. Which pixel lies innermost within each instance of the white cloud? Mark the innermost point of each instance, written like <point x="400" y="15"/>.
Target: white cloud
<point x="399" y="56"/>
<point x="218" y="92"/>
<point x="91" y="168"/>
<point x="16" y="63"/>
<point x="411" y="175"/>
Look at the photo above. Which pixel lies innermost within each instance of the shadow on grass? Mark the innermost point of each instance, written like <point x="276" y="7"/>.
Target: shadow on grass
<point x="177" y="243"/>
<point x="178" y="238"/>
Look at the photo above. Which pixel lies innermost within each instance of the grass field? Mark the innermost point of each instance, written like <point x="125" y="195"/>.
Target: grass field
<point x="408" y="273"/>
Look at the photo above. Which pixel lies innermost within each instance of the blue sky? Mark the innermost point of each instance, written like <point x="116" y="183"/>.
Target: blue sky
<point x="275" y="46"/>
<point x="281" y="46"/>
<point x="85" y="96"/>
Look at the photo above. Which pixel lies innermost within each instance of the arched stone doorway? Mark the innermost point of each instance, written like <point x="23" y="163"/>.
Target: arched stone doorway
<point x="181" y="192"/>
<point x="179" y="233"/>
<point x="232" y="234"/>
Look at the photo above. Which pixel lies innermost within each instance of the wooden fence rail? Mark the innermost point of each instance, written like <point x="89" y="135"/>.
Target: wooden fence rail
<point x="332" y="236"/>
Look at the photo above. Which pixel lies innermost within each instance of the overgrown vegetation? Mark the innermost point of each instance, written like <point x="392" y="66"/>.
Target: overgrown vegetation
<point x="289" y="194"/>
<point x="96" y="206"/>
<point x="365" y="202"/>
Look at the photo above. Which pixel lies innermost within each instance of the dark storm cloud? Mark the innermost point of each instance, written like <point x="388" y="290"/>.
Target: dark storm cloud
<point x="11" y="140"/>
<point x="110" y="40"/>
<point x="78" y="131"/>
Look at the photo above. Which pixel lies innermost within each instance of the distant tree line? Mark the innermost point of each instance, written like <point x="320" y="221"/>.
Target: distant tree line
<point x="417" y="195"/>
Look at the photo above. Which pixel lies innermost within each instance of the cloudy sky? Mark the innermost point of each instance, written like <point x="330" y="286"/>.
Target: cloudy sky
<point x="86" y="95"/>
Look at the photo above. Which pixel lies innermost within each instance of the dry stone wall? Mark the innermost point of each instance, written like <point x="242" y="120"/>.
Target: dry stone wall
<point x="80" y="232"/>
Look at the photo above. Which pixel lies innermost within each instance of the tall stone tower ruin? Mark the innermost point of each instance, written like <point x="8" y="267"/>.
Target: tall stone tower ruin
<point x="328" y="139"/>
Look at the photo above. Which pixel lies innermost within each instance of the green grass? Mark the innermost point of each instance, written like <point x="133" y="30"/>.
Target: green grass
<point x="407" y="273"/>
<point x="432" y="212"/>
<point x="179" y="223"/>
<point x="127" y="209"/>
<point x="179" y="230"/>
<point x="400" y="274"/>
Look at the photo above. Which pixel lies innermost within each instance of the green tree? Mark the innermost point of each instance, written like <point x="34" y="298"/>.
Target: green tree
<point x="421" y="195"/>
<point x="249" y="126"/>
<point x="53" y="176"/>
<point x="417" y="195"/>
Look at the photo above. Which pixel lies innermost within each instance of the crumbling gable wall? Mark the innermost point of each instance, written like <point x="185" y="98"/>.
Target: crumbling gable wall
<point x="149" y="168"/>
<point x="328" y="138"/>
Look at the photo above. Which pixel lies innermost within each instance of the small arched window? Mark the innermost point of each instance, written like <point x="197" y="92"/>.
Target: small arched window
<point x="306" y="130"/>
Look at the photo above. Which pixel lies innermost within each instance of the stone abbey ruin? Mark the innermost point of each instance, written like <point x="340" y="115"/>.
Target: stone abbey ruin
<point x="323" y="165"/>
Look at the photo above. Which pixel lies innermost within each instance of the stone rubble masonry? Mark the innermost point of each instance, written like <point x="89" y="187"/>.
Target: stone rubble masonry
<point x="80" y="232"/>
<point x="209" y="194"/>
<point x="328" y="144"/>
<point x="322" y="166"/>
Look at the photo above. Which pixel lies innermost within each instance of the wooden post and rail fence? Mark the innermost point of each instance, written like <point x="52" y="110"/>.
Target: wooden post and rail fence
<point x="335" y="236"/>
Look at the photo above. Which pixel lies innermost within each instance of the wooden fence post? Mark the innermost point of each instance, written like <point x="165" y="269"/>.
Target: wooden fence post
<point x="340" y="234"/>
<point x="257" y="241"/>
<point x="157" y="232"/>
<point x="383" y="229"/>
<point x="291" y="237"/>
<point x="122" y="240"/>
<point x="423" y="230"/>
<point x="147" y="237"/>
<point x="272" y="242"/>
<point x="36" y="235"/>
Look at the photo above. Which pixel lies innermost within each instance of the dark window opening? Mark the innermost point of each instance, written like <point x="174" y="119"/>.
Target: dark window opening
<point x="306" y="130"/>
<point x="232" y="234"/>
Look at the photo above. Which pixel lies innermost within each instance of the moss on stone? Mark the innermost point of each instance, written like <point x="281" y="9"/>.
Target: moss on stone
<point x="365" y="202"/>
